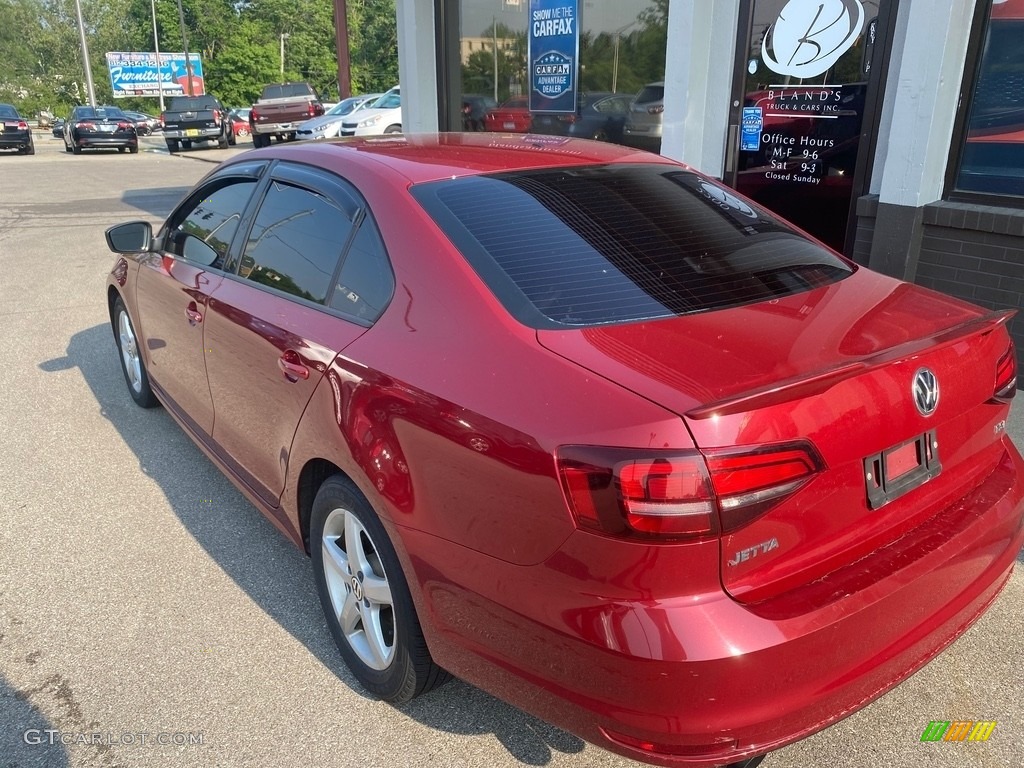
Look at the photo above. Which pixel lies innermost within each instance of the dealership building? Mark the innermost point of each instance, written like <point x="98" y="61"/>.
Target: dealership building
<point x="891" y="129"/>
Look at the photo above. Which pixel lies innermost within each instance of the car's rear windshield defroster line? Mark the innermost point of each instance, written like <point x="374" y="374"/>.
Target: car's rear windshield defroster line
<point x="606" y="244"/>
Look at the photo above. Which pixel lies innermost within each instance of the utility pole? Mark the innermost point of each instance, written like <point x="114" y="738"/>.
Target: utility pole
<point x="341" y="43"/>
<point x="184" y="43"/>
<point x="284" y="36"/>
<point x="156" y="47"/>
<point x="85" y="55"/>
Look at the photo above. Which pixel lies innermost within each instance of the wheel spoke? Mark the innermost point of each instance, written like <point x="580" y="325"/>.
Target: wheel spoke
<point x="374" y="636"/>
<point x="376" y="589"/>
<point x="354" y="545"/>
<point x="350" y="616"/>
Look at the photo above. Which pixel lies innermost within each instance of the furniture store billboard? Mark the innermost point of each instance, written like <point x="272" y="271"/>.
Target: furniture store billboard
<point x="141" y="74"/>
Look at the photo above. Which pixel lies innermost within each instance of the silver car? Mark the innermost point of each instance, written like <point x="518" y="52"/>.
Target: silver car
<point x="644" y="120"/>
<point x="327" y="125"/>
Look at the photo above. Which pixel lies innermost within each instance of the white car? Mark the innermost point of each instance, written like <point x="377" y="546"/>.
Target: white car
<point x="328" y="125"/>
<point x="383" y="116"/>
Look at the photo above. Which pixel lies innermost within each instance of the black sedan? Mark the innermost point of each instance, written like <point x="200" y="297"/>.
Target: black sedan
<point x="58" y="128"/>
<point x="15" y="132"/>
<point x="599" y="116"/>
<point x="99" y="127"/>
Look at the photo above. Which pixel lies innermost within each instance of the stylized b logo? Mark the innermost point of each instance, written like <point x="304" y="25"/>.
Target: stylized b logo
<point x="810" y="36"/>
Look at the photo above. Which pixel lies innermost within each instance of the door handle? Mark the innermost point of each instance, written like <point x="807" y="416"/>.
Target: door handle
<point x="292" y="367"/>
<point x="193" y="314"/>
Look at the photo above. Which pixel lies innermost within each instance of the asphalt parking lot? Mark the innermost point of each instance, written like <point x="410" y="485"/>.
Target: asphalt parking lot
<point x="149" y="616"/>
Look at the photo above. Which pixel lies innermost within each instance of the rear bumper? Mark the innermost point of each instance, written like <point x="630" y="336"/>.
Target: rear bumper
<point x="15" y="141"/>
<point x="703" y="679"/>
<point x="271" y="130"/>
<point x="93" y="142"/>
<point x="199" y="135"/>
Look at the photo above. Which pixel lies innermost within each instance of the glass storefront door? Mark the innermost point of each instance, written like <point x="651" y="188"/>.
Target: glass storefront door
<point x="809" y="71"/>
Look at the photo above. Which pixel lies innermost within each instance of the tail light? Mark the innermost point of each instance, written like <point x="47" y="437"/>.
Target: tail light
<point x="657" y="109"/>
<point x="216" y="117"/>
<point x="162" y="123"/>
<point x="123" y="126"/>
<point x="316" y="109"/>
<point x="1006" y="376"/>
<point x="85" y="124"/>
<point x="680" y="495"/>
<point x="253" y="115"/>
<point x="22" y="125"/>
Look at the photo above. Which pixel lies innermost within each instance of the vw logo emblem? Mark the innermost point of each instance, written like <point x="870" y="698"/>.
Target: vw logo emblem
<point x="925" y="391"/>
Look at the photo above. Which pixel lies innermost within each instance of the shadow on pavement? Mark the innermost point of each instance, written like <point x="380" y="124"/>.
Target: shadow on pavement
<point x="156" y="201"/>
<point x="25" y="742"/>
<point x="273" y="573"/>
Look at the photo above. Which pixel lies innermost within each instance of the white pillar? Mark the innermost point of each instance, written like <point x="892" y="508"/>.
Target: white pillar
<point x="698" y="81"/>
<point x="417" y="66"/>
<point x="921" y="94"/>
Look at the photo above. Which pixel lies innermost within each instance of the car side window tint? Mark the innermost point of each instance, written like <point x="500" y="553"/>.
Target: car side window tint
<point x="213" y="221"/>
<point x="366" y="282"/>
<point x="296" y="242"/>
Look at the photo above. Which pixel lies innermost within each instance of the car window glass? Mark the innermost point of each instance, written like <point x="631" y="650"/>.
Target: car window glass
<point x="615" y="244"/>
<point x="390" y="100"/>
<point x="366" y="282"/>
<point x="213" y="220"/>
<point x="296" y="242"/>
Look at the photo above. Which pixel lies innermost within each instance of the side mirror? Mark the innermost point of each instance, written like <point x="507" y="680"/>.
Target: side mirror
<point x="133" y="237"/>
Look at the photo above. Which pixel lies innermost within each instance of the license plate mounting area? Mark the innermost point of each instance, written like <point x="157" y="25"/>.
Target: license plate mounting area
<point x="893" y="472"/>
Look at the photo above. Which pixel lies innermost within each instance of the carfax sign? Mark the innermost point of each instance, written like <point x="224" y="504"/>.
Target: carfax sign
<point x="137" y="74"/>
<point x="554" y="55"/>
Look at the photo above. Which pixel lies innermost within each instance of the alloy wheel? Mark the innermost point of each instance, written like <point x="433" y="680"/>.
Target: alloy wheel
<point x="359" y="589"/>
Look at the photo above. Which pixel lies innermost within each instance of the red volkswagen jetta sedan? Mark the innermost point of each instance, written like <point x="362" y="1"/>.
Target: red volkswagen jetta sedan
<point x="584" y="428"/>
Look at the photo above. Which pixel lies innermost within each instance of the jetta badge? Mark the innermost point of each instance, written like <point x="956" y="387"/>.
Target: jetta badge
<point x="925" y="391"/>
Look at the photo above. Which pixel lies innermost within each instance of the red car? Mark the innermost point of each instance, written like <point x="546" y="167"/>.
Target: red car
<point x="511" y="117"/>
<point x="584" y="428"/>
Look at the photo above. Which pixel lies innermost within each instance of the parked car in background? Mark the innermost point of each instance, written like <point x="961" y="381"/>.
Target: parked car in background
<point x="379" y="117"/>
<point x="583" y="427"/>
<point x="328" y="125"/>
<point x="15" y="132"/>
<point x="100" y="128"/>
<point x="279" y="111"/>
<point x="145" y="125"/>
<point x="58" y="128"/>
<point x="599" y="116"/>
<point x="240" y="122"/>
<point x="44" y="118"/>
<point x="192" y="120"/>
<point x="474" y="109"/>
<point x="512" y="116"/>
<point x="644" y="120"/>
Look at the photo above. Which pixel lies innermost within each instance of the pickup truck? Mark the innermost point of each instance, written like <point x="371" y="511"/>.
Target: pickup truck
<point x="191" y="119"/>
<point x="280" y="109"/>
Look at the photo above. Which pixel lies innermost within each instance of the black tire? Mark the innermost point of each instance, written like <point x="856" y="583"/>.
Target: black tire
<point x="222" y="141"/>
<point x="133" y="149"/>
<point x="231" y="138"/>
<point x="67" y="148"/>
<point x="393" y="129"/>
<point x="601" y="135"/>
<point x="398" y="671"/>
<point x="29" y="150"/>
<point x="260" y="140"/>
<point x="186" y="144"/>
<point x="122" y="149"/>
<point x="138" y="381"/>
<point x="172" y="145"/>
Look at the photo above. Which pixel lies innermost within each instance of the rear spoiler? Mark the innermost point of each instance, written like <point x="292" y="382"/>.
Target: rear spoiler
<point x="816" y="383"/>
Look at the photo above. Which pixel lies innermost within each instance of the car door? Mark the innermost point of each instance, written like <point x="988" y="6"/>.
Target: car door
<point x="174" y="286"/>
<point x="271" y="330"/>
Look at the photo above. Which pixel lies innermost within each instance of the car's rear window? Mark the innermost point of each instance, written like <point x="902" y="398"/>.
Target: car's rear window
<point x="287" y="90"/>
<point x="650" y="93"/>
<point x="193" y="103"/>
<point x="6" y="111"/>
<point x="608" y="244"/>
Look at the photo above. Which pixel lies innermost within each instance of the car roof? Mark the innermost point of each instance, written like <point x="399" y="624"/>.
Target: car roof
<point x="420" y="158"/>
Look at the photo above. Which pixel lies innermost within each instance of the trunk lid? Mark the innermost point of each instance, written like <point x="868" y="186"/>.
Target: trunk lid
<point x="835" y="366"/>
